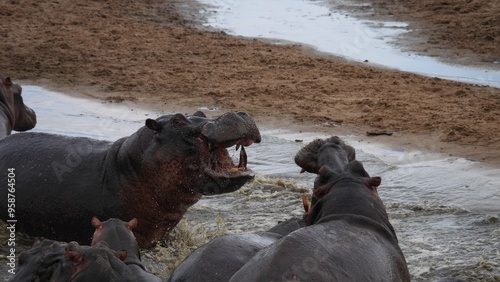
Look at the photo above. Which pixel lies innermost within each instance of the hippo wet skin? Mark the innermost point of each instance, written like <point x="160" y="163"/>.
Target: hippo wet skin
<point x="219" y="259"/>
<point x="154" y="175"/>
<point x="14" y="114"/>
<point x="55" y="261"/>
<point x="348" y="236"/>
<point x="118" y="235"/>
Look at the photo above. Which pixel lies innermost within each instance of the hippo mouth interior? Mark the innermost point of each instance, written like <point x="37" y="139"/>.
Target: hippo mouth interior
<point x="220" y="168"/>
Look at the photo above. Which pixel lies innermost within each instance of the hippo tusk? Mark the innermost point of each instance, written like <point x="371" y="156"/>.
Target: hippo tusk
<point x="306" y="203"/>
<point x="243" y="159"/>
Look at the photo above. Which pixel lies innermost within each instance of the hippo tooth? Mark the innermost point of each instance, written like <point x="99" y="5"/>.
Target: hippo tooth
<point x="243" y="159"/>
<point x="213" y="160"/>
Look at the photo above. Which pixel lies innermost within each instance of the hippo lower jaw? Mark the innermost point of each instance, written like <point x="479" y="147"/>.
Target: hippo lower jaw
<point x="222" y="174"/>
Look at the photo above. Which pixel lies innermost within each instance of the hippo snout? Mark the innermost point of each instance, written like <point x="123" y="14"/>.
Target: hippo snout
<point x="232" y="129"/>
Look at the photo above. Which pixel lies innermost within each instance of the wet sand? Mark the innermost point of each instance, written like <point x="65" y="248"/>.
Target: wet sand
<point x="155" y="52"/>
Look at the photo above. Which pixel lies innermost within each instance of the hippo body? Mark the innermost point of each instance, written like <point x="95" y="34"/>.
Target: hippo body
<point x="341" y="248"/>
<point x="155" y="175"/>
<point x="40" y="262"/>
<point x="118" y="235"/>
<point x="95" y="263"/>
<point x="219" y="259"/>
<point x="348" y="236"/>
<point x="14" y="114"/>
<point x="56" y="261"/>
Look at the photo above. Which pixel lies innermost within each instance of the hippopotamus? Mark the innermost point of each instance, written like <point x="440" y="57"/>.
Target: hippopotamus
<point x="57" y="261"/>
<point x="96" y="263"/>
<point x="40" y="262"/>
<point x="14" y="114"/>
<point x="155" y="174"/>
<point x="118" y="235"/>
<point x="347" y="237"/>
<point x="219" y="259"/>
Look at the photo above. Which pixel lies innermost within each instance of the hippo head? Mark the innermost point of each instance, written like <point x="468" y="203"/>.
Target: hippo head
<point x="21" y="117"/>
<point x="40" y="262"/>
<point x="331" y="152"/>
<point x="193" y="149"/>
<point x="351" y="191"/>
<point x="118" y="235"/>
<point x="97" y="263"/>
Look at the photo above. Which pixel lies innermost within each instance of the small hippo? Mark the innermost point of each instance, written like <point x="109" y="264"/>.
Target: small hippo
<point x="348" y="236"/>
<point x="155" y="175"/>
<point x="14" y="114"/>
<point x="219" y="259"/>
<point x="118" y="235"/>
<point x="96" y="263"/>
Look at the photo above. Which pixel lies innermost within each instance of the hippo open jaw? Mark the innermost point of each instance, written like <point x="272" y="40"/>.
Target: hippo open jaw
<point x="225" y="175"/>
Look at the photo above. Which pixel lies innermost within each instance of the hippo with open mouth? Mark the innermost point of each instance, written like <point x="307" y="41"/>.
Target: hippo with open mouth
<point x="154" y="175"/>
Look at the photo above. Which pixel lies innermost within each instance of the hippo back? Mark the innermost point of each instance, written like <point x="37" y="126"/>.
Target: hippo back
<point x="50" y="210"/>
<point x="343" y="248"/>
<point x="219" y="259"/>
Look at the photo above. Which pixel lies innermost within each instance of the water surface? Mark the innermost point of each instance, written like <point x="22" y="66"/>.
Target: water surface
<point x="334" y="31"/>
<point x="445" y="210"/>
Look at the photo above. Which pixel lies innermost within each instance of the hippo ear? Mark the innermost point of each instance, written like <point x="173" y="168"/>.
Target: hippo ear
<point x="373" y="181"/>
<point x="132" y="224"/>
<point x="96" y="222"/>
<point x="122" y="255"/>
<point x="152" y="124"/>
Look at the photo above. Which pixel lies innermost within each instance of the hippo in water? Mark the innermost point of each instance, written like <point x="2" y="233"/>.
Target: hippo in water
<point x="219" y="259"/>
<point x="348" y="236"/>
<point x="49" y="260"/>
<point x="155" y="175"/>
<point x="14" y="114"/>
<point x="118" y="235"/>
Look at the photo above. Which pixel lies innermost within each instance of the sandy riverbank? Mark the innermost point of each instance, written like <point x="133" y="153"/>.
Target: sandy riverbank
<point x="152" y="52"/>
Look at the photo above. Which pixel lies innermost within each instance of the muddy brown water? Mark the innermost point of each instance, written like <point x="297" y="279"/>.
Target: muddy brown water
<point x="444" y="209"/>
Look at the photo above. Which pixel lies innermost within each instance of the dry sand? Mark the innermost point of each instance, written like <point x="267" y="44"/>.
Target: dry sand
<point x="153" y="52"/>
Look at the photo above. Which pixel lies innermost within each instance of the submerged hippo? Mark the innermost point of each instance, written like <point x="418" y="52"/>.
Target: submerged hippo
<point x="40" y="262"/>
<point x="118" y="235"/>
<point x="95" y="263"/>
<point x="348" y="236"/>
<point x="56" y="261"/>
<point x="14" y="114"/>
<point x="155" y="175"/>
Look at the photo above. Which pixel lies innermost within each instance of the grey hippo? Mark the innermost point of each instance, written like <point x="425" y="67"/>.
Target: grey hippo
<point x="348" y="236"/>
<point x="14" y="114"/>
<point x="154" y="175"/>
<point x="49" y="260"/>
<point x="219" y="259"/>
<point x="118" y="235"/>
